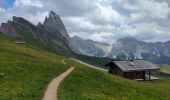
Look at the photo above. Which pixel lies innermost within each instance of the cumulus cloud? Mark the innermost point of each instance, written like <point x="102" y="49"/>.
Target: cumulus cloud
<point x="33" y="3"/>
<point x="148" y="9"/>
<point x="100" y="20"/>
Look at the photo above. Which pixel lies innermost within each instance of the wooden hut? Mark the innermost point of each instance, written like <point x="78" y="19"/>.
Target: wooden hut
<point x="133" y="69"/>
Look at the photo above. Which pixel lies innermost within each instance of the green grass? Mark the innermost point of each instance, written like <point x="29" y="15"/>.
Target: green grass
<point x="89" y="84"/>
<point x="32" y="42"/>
<point x="165" y="68"/>
<point x="25" y="72"/>
<point x="96" y="61"/>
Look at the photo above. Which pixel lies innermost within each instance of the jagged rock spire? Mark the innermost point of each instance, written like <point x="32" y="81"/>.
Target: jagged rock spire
<point x="54" y="24"/>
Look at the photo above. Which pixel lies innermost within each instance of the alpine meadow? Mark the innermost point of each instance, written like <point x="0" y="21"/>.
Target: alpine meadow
<point x="84" y="50"/>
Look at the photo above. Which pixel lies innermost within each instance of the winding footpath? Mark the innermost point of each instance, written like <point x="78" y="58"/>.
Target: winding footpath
<point x="88" y="65"/>
<point x="51" y="92"/>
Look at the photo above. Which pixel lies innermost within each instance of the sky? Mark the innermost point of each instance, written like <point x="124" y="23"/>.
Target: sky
<point x="99" y="20"/>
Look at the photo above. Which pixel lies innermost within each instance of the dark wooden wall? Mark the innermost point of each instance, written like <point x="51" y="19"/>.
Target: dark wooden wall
<point x="130" y="75"/>
<point x="134" y="75"/>
<point x="116" y="70"/>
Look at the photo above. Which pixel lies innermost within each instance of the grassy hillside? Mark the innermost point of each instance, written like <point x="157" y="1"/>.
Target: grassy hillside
<point x="25" y="72"/>
<point x="32" y="42"/>
<point x="165" y="68"/>
<point x="96" y="61"/>
<point x="89" y="84"/>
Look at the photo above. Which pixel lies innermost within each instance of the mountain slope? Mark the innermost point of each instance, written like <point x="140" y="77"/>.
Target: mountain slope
<point x="54" y="24"/>
<point x="131" y="48"/>
<point x="90" y="47"/>
<point x="26" y="71"/>
<point x="22" y="30"/>
<point x="50" y="36"/>
<point x="125" y="48"/>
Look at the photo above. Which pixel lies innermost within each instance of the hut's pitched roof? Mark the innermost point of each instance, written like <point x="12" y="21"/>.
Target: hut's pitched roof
<point x="135" y="65"/>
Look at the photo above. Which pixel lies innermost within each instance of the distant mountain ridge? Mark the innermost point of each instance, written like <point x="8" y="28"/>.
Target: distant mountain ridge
<point x="52" y="34"/>
<point x="125" y="48"/>
<point x="90" y="47"/>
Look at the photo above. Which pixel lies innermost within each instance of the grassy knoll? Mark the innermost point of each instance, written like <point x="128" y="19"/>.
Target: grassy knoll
<point x="25" y="72"/>
<point x="89" y="84"/>
<point x="165" y="68"/>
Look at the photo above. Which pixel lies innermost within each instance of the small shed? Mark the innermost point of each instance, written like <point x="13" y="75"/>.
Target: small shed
<point x="133" y="69"/>
<point x="20" y="42"/>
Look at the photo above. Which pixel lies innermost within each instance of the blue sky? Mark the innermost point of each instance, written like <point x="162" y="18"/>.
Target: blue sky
<point x="8" y="3"/>
<point x="100" y="20"/>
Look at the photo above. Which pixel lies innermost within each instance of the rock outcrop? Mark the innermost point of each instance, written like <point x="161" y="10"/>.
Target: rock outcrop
<point x="54" y="24"/>
<point x="90" y="47"/>
<point x="49" y="35"/>
<point x="7" y="29"/>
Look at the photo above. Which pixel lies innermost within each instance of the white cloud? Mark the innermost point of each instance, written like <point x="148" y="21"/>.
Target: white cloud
<point x="28" y="9"/>
<point x="152" y="32"/>
<point x="28" y="3"/>
<point x="80" y="24"/>
<point x="102" y="37"/>
<point x="149" y="9"/>
<point x="2" y="10"/>
<point x="127" y="30"/>
<point x="100" y="20"/>
<point x="104" y="14"/>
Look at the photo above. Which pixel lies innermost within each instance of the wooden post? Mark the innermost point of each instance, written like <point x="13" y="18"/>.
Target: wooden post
<point x="149" y="75"/>
<point x="125" y="74"/>
<point x="143" y="75"/>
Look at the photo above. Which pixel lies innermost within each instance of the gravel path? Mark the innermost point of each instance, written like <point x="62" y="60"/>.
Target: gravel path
<point x="51" y="92"/>
<point x="91" y="66"/>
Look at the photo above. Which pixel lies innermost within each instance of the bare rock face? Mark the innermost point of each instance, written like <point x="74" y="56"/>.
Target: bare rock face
<point x="50" y="35"/>
<point x="53" y="23"/>
<point x="8" y="29"/>
<point x="90" y="47"/>
<point x="125" y="48"/>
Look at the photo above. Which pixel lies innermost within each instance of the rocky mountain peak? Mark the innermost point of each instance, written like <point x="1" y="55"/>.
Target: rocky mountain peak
<point x="54" y="24"/>
<point x="22" y="22"/>
<point x="15" y="19"/>
<point x="125" y="48"/>
<point x="19" y="20"/>
<point x="53" y="15"/>
<point x="51" y="33"/>
<point x="53" y="19"/>
<point x="39" y="25"/>
<point x="77" y="38"/>
<point x="8" y="29"/>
